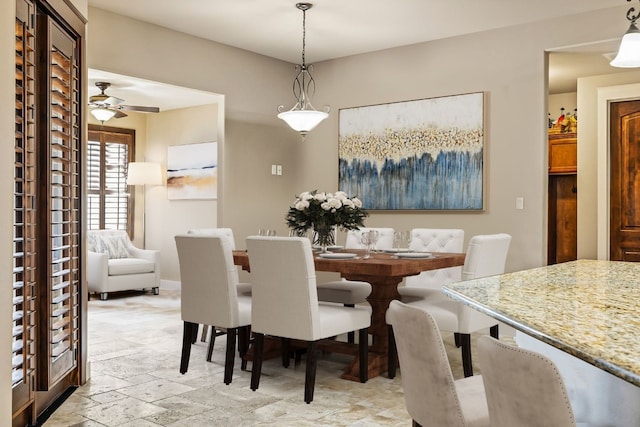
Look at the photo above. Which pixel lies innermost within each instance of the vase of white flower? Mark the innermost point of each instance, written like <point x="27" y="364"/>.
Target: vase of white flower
<point x="323" y="212"/>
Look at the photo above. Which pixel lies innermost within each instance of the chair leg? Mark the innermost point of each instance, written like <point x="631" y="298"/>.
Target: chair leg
<point x="231" y="355"/>
<point x="392" y="358"/>
<point x="363" y="347"/>
<point x="103" y="296"/>
<point x="465" y="341"/>
<point x="456" y="339"/>
<point x="286" y="356"/>
<point x="205" y="329"/>
<point x="310" y="376"/>
<point x="351" y="336"/>
<point x="258" y="346"/>
<point x="187" y="336"/>
<point x="212" y="341"/>
<point x="493" y="331"/>
<point x="243" y="345"/>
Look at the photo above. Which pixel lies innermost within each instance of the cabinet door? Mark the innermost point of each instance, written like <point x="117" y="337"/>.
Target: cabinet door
<point x="24" y="213"/>
<point x="59" y="192"/>
<point x="563" y="154"/>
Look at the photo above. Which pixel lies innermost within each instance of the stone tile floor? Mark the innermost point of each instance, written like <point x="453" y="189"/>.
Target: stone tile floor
<point x="134" y="351"/>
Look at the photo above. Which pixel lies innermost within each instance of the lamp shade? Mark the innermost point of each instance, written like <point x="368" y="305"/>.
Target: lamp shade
<point x="629" y="52"/>
<point x="303" y="120"/>
<point x="144" y="173"/>
<point x="102" y="114"/>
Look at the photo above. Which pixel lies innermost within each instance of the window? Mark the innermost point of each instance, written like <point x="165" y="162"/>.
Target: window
<point x="109" y="205"/>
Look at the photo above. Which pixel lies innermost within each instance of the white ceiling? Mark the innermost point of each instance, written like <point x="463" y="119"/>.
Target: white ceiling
<point x="337" y="28"/>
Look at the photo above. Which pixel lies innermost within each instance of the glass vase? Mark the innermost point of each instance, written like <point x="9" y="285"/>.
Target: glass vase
<point x="323" y="237"/>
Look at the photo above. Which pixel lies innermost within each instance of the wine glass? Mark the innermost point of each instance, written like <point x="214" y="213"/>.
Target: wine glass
<point x="398" y="238"/>
<point x="374" y="235"/>
<point x="407" y="238"/>
<point x="365" y="239"/>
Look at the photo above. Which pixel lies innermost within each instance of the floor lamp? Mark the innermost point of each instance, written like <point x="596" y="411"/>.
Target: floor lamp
<point x="144" y="173"/>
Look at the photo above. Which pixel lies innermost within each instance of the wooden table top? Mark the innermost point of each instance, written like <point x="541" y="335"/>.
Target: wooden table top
<point x="379" y="265"/>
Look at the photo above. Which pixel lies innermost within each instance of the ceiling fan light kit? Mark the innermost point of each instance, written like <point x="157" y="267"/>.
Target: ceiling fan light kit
<point x="303" y="117"/>
<point x="106" y="107"/>
<point x="629" y="52"/>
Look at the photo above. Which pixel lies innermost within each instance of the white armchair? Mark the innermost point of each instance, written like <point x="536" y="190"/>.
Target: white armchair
<point x="114" y="264"/>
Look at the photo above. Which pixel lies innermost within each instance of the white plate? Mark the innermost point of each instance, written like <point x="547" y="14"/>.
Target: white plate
<point x="414" y="255"/>
<point x="339" y="255"/>
<point x="395" y="250"/>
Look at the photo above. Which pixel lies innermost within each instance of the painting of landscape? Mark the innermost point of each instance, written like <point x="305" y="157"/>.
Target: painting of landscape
<point x="192" y="171"/>
<point x="425" y="154"/>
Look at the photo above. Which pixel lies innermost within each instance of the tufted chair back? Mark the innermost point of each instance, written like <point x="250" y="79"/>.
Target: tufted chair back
<point x="385" y="238"/>
<point x="436" y="240"/>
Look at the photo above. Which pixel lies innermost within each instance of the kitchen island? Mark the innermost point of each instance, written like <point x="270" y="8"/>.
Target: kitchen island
<point x="585" y="315"/>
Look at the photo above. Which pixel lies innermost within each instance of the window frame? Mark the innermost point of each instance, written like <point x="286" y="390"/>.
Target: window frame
<point x="129" y="135"/>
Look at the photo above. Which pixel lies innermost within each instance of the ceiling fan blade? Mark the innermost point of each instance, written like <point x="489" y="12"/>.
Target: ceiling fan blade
<point x="119" y="114"/>
<point x="139" y="108"/>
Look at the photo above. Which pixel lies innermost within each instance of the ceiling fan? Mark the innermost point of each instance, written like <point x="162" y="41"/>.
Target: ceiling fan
<point x="105" y="107"/>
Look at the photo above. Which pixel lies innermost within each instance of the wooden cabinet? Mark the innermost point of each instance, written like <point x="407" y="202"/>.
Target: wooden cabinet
<point x="48" y="305"/>
<point x="563" y="198"/>
<point x="563" y="153"/>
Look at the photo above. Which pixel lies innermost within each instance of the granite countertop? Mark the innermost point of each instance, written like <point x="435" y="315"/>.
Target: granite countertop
<point x="590" y="309"/>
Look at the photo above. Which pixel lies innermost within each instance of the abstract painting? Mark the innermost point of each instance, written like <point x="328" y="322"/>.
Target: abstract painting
<point x="192" y="171"/>
<point x="426" y="154"/>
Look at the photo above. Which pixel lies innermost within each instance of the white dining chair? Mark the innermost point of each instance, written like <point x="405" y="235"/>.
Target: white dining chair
<point x="209" y="296"/>
<point x="432" y="396"/>
<point x="243" y="288"/>
<point x="285" y="304"/>
<point x="429" y="283"/>
<point x="524" y="388"/>
<point x="486" y="256"/>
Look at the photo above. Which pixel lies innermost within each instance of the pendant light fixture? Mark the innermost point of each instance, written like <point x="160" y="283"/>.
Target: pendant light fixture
<point x="303" y="117"/>
<point x="629" y="52"/>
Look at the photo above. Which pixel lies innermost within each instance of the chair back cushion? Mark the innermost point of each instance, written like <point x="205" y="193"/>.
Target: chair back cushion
<point x="429" y="388"/>
<point x="523" y="388"/>
<point x="385" y="238"/>
<point x="436" y="240"/>
<point x="215" y="232"/>
<point x="208" y="281"/>
<point x="285" y="300"/>
<point x="115" y="243"/>
<point x="486" y="256"/>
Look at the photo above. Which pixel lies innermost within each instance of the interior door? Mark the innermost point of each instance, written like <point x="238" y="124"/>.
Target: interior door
<point x="625" y="181"/>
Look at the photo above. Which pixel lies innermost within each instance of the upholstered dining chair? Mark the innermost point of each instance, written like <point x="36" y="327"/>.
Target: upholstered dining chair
<point x="429" y="283"/>
<point x="209" y="296"/>
<point x="523" y="387"/>
<point x="285" y="304"/>
<point x="243" y="288"/>
<point x="486" y="256"/>
<point x="432" y="396"/>
<point x="385" y="238"/>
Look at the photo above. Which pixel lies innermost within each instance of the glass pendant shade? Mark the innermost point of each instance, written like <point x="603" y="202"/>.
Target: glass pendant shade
<point x="102" y="114"/>
<point x="303" y="120"/>
<point x="629" y="52"/>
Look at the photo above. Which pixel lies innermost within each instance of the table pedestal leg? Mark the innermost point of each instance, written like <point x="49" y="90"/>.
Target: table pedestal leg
<point x="383" y="291"/>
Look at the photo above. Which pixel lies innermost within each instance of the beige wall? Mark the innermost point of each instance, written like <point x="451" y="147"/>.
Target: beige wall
<point x="166" y="218"/>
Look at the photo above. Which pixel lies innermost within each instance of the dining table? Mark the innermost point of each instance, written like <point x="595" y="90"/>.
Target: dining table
<point x="384" y="271"/>
<point x="585" y="316"/>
